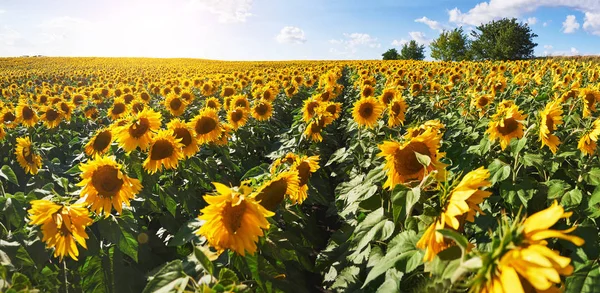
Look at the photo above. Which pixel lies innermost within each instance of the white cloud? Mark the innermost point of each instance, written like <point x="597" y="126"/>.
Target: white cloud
<point x="570" y="25"/>
<point x="420" y="38"/>
<point x="351" y="43"/>
<point x="549" y="52"/>
<point x="434" y="25"/>
<point x="545" y="24"/>
<point x="399" y="43"/>
<point x="291" y="35"/>
<point x="496" y="9"/>
<point x="8" y="36"/>
<point x="548" y="47"/>
<point x="531" y="21"/>
<point x="2" y="11"/>
<point x="574" y="51"/>
<point x="591" y="23"/>
<point x="227" y="11"/>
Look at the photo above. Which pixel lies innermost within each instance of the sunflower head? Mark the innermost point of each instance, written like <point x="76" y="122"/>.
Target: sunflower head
<point x="506" y="125"/>
<point x="367" y="111"/>
<point x="137" y="131"/>
<point x="175" y="104"/>
<point x="273" y="192"/>
<point x="237" y="117"/>
<point x="397" y="111"/>
<point x="185" y="134"/>
<point x="27" y="156"/>
<point x="165" y="150"/>
<point x="100" y="142"/>
<point x="212" y="103"/>
<point x="262" y="110"/>
<point x="206" y="125"/>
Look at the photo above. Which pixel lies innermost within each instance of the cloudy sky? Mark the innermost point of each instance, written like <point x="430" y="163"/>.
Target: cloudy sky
<point x="276" y="29"/>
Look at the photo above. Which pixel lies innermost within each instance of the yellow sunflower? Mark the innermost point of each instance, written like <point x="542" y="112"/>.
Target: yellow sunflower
<point x="233" y="220"/>
<point x="224" y="135"/>
<point x="402" y="164"/>
<point x="314" y="128"/>
<point x="333" y="108"/>
<point x="100" y="142"/>
<point x="590" y="98"/>
<point x="388" y="96"/>
<point x="51" y="116"/>
<point x="138" y="130"/>
<point x="397" y="111"/>
<point x="106" y="186"/>
<point x="175" y="104"/>
<point x="310" y="108"/>
<point x="212" y="103"/>
<point x="206" y="125"/>
<point x="27" y="157"/>
<point x="63" y="227"/>
<point x="165" y="150"/>
<point x="550" y="118"/>
<point x="289" y="159"/>
<point x="506" y="125"/>
<point x="91" y="113"/>
<point x="367" y="91"/>
<point x="588" y="141"/>
<point x="185" y="133"/>
<point x="305" y="167"/>
<point x="237" y="117"/>
<point x="272" y="193"/>
<point x="262" y="110"/>
<point x="240" y="101"/>
<point x="367" y="111"/>
<point x="26" y="115"/>
<point x="118" y="109"/>
<point x="66" y="109"/>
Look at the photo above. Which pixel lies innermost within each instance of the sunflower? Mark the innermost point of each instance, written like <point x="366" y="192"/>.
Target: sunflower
<point x="187" y="96"/>
<point x="334" y="108"/>
<point x="227" y="91"/>
<point x="237" y="117"/>
<point x="289" y="159"/>
<point x="138" y="130"/>
<point x="482" y="101"/>
<point x="366" y="112"/>
<point x="66" y="109"/>
<point x="105" y="185"/>
<point x="590" y="98"/>
<point x="137" y="106"/>
<point x="291" y="90"/>
<point x="62" y="226"/>
<point x="402" y="163"/>
<point x="27" y="157"/>
<point x="165" y="150"/>
<point x="185" y="133"/>
<point x="262" y="110"/>
<point x="273" y="192"/>
<point x="100" y="142"/>
<point x="506" y="125"/>
<point x="118" y="109"/>
<point x="466" y="196"/>
<point x="206" y="125"/>
<point x="144" y="96"/>
<point x="225" y="135"/>
<point x="550" y="118"/>
<point x="91" y="113"/>
<point x="388" y="96"/>
<point x="316" y="125"/>
<point x="588" y="141"/>
<point x="432" y="241"/>
<point x="396" y="111"/>
<point x="8" y="118"/>
<point x="26" y="115"/>
<point x="233" y="220"/>
<point x="310" y="108"/>
<point x="212" y="103"/>
<point x="175" y="104"/>
<point x="240" y="101"/>
<point x="367" y="91"/>
<point x="305" y="166"/>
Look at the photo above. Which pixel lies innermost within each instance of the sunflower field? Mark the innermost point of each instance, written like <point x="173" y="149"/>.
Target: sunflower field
<point x="182" y="175"/>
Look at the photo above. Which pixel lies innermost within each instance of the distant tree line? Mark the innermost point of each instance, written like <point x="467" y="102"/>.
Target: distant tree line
<point x="505" y="39"/>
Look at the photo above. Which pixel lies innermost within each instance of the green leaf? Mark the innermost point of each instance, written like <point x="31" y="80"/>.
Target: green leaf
<point x="399" y="194"/>
<point x="424" y="160"/>
<point x="7" y="173"/>
<point x="460" y="240"/>
<point x="20" y="282"/>
<point x="533" y="160"/>
<point x="227" y="277"/>
<point x="392" y="281"/>
<point x="571" y="199"/>
<point x="203" y="259"/>
<point x="499" y="171"/>
<point x="412" y="197"/>
<point x="519" y="146"/>
<point x="171" y="278"/>
<point x="592" y="177"/>
<point x="186" y="233"/>
<point x="337" y="156"/>
<point x="585" y="279"/>
<point x="556" y="188"/>
<point x="93" y="278"/>
<point x="73" y="170"/>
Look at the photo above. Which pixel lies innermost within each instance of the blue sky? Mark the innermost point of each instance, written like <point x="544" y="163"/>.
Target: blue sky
<point x="276" y="29"/>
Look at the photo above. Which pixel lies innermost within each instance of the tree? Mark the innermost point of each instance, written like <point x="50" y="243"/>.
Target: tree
<point x="412" y="51"/>
<point x="451" y="46"/>
<point x="391" y="54"/>
<point x="505" y="39"/>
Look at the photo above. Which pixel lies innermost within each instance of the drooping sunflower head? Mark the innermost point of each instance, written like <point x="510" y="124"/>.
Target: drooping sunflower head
<point x="262" y="110"/>
<point x="367" y="111"/>
<point x="551" y="117"/>
<point x="138" y="130"/>
<point x="310" y="108"/>
<point x="206" y="125"/>
<point x="233" y="220"/>
<point x="237" y="117"/>
<point x="100" y="142"/>
<point x="305" y="167"/>
<point x="397" y="111"/>
<point x="185" y="134"/>
<point x="273" y="192"/>
<point x="106" y="186"/>
<point x="27" y="156"/>
<point x="165" y="150"/>
<point x="507" y="124"/>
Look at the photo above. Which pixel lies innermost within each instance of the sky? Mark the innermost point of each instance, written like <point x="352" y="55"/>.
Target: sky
<point x="277" y="29"/>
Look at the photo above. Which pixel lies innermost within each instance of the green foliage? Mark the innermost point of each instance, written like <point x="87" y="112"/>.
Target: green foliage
<point x="412" y="51"/>
<point x="391" y="54"/>
<point x="451" y="45"/>
<point x="504" y="39"/>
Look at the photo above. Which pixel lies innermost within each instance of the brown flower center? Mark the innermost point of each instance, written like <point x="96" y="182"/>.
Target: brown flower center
<point x="233" y="215"/>
<point x="205" y="125"/>
<point x="237" y="115"/>
<point x="175" y="104"/>
<point x="27" y="113"/>
<point x="272" y="195"/>
<point x="106" y="181"/>
<point x="367" y="92"/>
<point x="184" y="135"/>
<point x="387" y="97"/>
<point x="366" y="110"/>
<point x="261" y="109"/>
<point x="161" y="149"/>
<point x="550" y="123"/>
<point x="118" y="108"/>
<point x="102" y="140"/>
<point x="303" y="173"/>
<point x="65" y="108"/>
<point x="405" y="160"/>
<point x="139" y="128"/>
<point x="510" y="125"/>
<point x="51" y="115"/>
<point x="396" y="108"/>
<point x="482" y="101"/>
<point x="28" y="155"/>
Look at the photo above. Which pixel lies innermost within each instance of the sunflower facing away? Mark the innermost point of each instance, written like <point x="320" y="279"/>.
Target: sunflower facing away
<point x="402" y="164"/>
<point x="165" y="150"/>
<point x="305" y="166"/>
<point x="206" y="125"/>
<point x="63" y="227"/>
<point x="506" y="124"/>
<point x="138" y="130"/>
<point x="273" y="192"/>
<point x="588" y="141"/>
<point x="309" y="109"/>
<point x="185" y="134"/>
<point x="550" y="118"/>
<point x="366" y="112"/>
<point x="233" y="220"/>
<point x="29" y="160"/>
<point x="106" y="186"/>
<point x="100" y="142"/>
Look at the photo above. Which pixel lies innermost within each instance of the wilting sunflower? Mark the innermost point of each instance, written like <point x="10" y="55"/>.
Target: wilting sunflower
<point x="388" y="96"/>
<point x="506" y="124"/>
<point x="105" y="185"/>
<point x="233" y="220"/>
<point x="26" y="115"/>
<point x="100" y="142"/>
<point x="396" y="111"/>
<point x="27" y="157"/>
<point x="237" y="117"/>
<point x="165" y="150"/>
<point x="175" y="104"/>
<point x="273" y="192"/>
<point x="367" y="111"/>
<point x="62" y="226"/>
<point x="206" y="125"/>
<point x="138" y="130"/>
<point x="402" y="164"/>
<point x="550" y="118"/>
<point x="185" y="134"/>
<point x="212" y="103"/>
<point x="262" y="110"/>
<point x="305" y="166"/>
<point x="310" y="108"/>
<point x="118" y="109"/>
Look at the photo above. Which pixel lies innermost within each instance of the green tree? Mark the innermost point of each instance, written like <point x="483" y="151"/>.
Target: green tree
<point x="451" y="45"/>
<point x="504" y="39"/>
<point x="412" y="51"/>
<point x="391" y="54"/>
